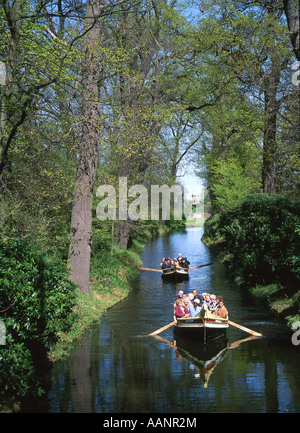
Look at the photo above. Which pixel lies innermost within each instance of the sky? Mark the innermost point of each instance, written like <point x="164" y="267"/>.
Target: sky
<point x="192" y="184"/>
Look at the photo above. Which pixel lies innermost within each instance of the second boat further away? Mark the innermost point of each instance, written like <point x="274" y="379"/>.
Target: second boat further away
<point x="176" y="269"/>
<point x="175" y="273"/>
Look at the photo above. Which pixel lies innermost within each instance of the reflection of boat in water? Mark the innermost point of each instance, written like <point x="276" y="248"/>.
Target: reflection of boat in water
<point x="175" y="274"/>
<point x="204" y="327"/>
<point x="205" y="358"/>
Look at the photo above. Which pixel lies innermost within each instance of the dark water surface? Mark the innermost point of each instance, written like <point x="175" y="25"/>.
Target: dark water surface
<point x="119" y="369"/>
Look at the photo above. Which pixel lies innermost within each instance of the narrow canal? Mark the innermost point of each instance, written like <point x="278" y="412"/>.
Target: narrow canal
<point x="119" y="369"/>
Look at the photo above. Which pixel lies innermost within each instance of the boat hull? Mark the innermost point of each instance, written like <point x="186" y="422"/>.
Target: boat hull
<point x="200" y="333"/>
<point x="175" y="274"/>
<point x="204" y="328"/>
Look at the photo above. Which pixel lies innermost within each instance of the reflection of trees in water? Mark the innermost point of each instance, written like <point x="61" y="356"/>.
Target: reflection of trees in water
<point x="153" y="374"/>
<point x="141" y="369"/>
<point x="137" y="377"/>
<point x="81" y="381"/>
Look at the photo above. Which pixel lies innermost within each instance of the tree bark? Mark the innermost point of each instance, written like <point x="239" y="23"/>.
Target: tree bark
<point x="291" y="9"/>
<point x="272" y="106"/>
<point x="81" y="223"/>
<point x="122" y="234"/>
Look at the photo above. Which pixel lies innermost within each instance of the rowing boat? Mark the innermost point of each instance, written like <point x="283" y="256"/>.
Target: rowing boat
<point x="203" y="327"/>
<point x="177" y="273"/>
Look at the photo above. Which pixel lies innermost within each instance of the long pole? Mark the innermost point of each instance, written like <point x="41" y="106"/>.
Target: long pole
<point x="243" y="328"/>
<point x="158" y="331"/>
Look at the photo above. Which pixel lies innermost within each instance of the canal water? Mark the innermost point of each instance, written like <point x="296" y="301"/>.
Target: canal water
<point x="118" y="368"/>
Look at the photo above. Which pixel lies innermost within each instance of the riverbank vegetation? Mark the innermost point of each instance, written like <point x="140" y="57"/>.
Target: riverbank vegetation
<point x="46" y="315"/>
<point x="140" y="90"/>
<point x="259" y="242"/>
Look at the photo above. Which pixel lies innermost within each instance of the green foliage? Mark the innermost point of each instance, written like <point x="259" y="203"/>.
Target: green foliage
<point x="260" y="238"/>
<point x="38" y="192"/>
<point x="36" y="302"/>
<point x="212" y="230"/>
<point x="233" y="184"/>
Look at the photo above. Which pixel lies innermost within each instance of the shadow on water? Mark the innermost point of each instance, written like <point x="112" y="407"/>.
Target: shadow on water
<point x="118" y="368"/>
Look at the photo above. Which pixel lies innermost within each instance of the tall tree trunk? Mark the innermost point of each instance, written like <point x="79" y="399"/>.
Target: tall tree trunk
<point x="122" y="233"/>
<point x="81" y="223"/>
<point x="291" y="9"/>
<point x="270" y="146"/>
<point x="12" y="113"/>
<point x="269" y="152"/>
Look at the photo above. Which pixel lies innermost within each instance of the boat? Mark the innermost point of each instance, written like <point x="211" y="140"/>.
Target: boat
<point x="177" y="274"/>
<point x="203" y="328"/>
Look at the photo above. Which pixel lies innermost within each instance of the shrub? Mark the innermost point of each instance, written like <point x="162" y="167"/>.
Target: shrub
<point x="36" y="302"/>
<point x="212" y="230"/>
<point x="262" y="236"/>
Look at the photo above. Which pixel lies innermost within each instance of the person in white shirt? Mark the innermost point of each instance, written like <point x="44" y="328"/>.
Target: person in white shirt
<point x="195" y="308"/>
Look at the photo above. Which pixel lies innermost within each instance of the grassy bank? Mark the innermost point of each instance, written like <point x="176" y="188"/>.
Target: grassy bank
<point x="279" y="299"/>
<point x="195" y="222"/>
<point x="111" y="277"/>
<point x="110" y="282"/>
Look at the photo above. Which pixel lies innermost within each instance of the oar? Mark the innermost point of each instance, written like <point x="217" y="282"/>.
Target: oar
<point x="201" y="266"/>
<point x="158" y="331"/>
<point x="158" y="270"/>
<point x="149" y="269"/>
<point x="243" y="328"/>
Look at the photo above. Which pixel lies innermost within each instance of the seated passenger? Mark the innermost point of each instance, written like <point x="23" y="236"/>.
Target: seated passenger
<point x="203" y="296"/>
<point x="162" y="262"/>
<point x="213" y="303"/>
<point x="221" y="310"/>
<point x="174" y="263"/>
<point x="179" y="296"/>
<point x="184" y="263"/>
<point x="219" y="298"/>
<point x="196" y="295"/>
<point x="179" y="258"/>
<point x="207" y="301"/>
<point x="195" y="308"/>
<point x="191" y="297"/>
<point x="180" y="310"/>
<point x="167" y="263"/>
<point x="186" y="301"/>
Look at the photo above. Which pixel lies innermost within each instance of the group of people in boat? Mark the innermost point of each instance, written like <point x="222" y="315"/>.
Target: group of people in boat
<point x="190" y="305"/>
<point x="180" y="262"/>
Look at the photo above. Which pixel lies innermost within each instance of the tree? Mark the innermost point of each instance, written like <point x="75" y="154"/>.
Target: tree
<point x="36" y="137"/>
<point x="81" y="223"/>
<point x="231" y="184"/>
<point x="179" y="137"/>
<point x="253" y="51"/>
<point x="137" y="105"/>
<point x="292" y="14"/>
<point x="34" y="58"/>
